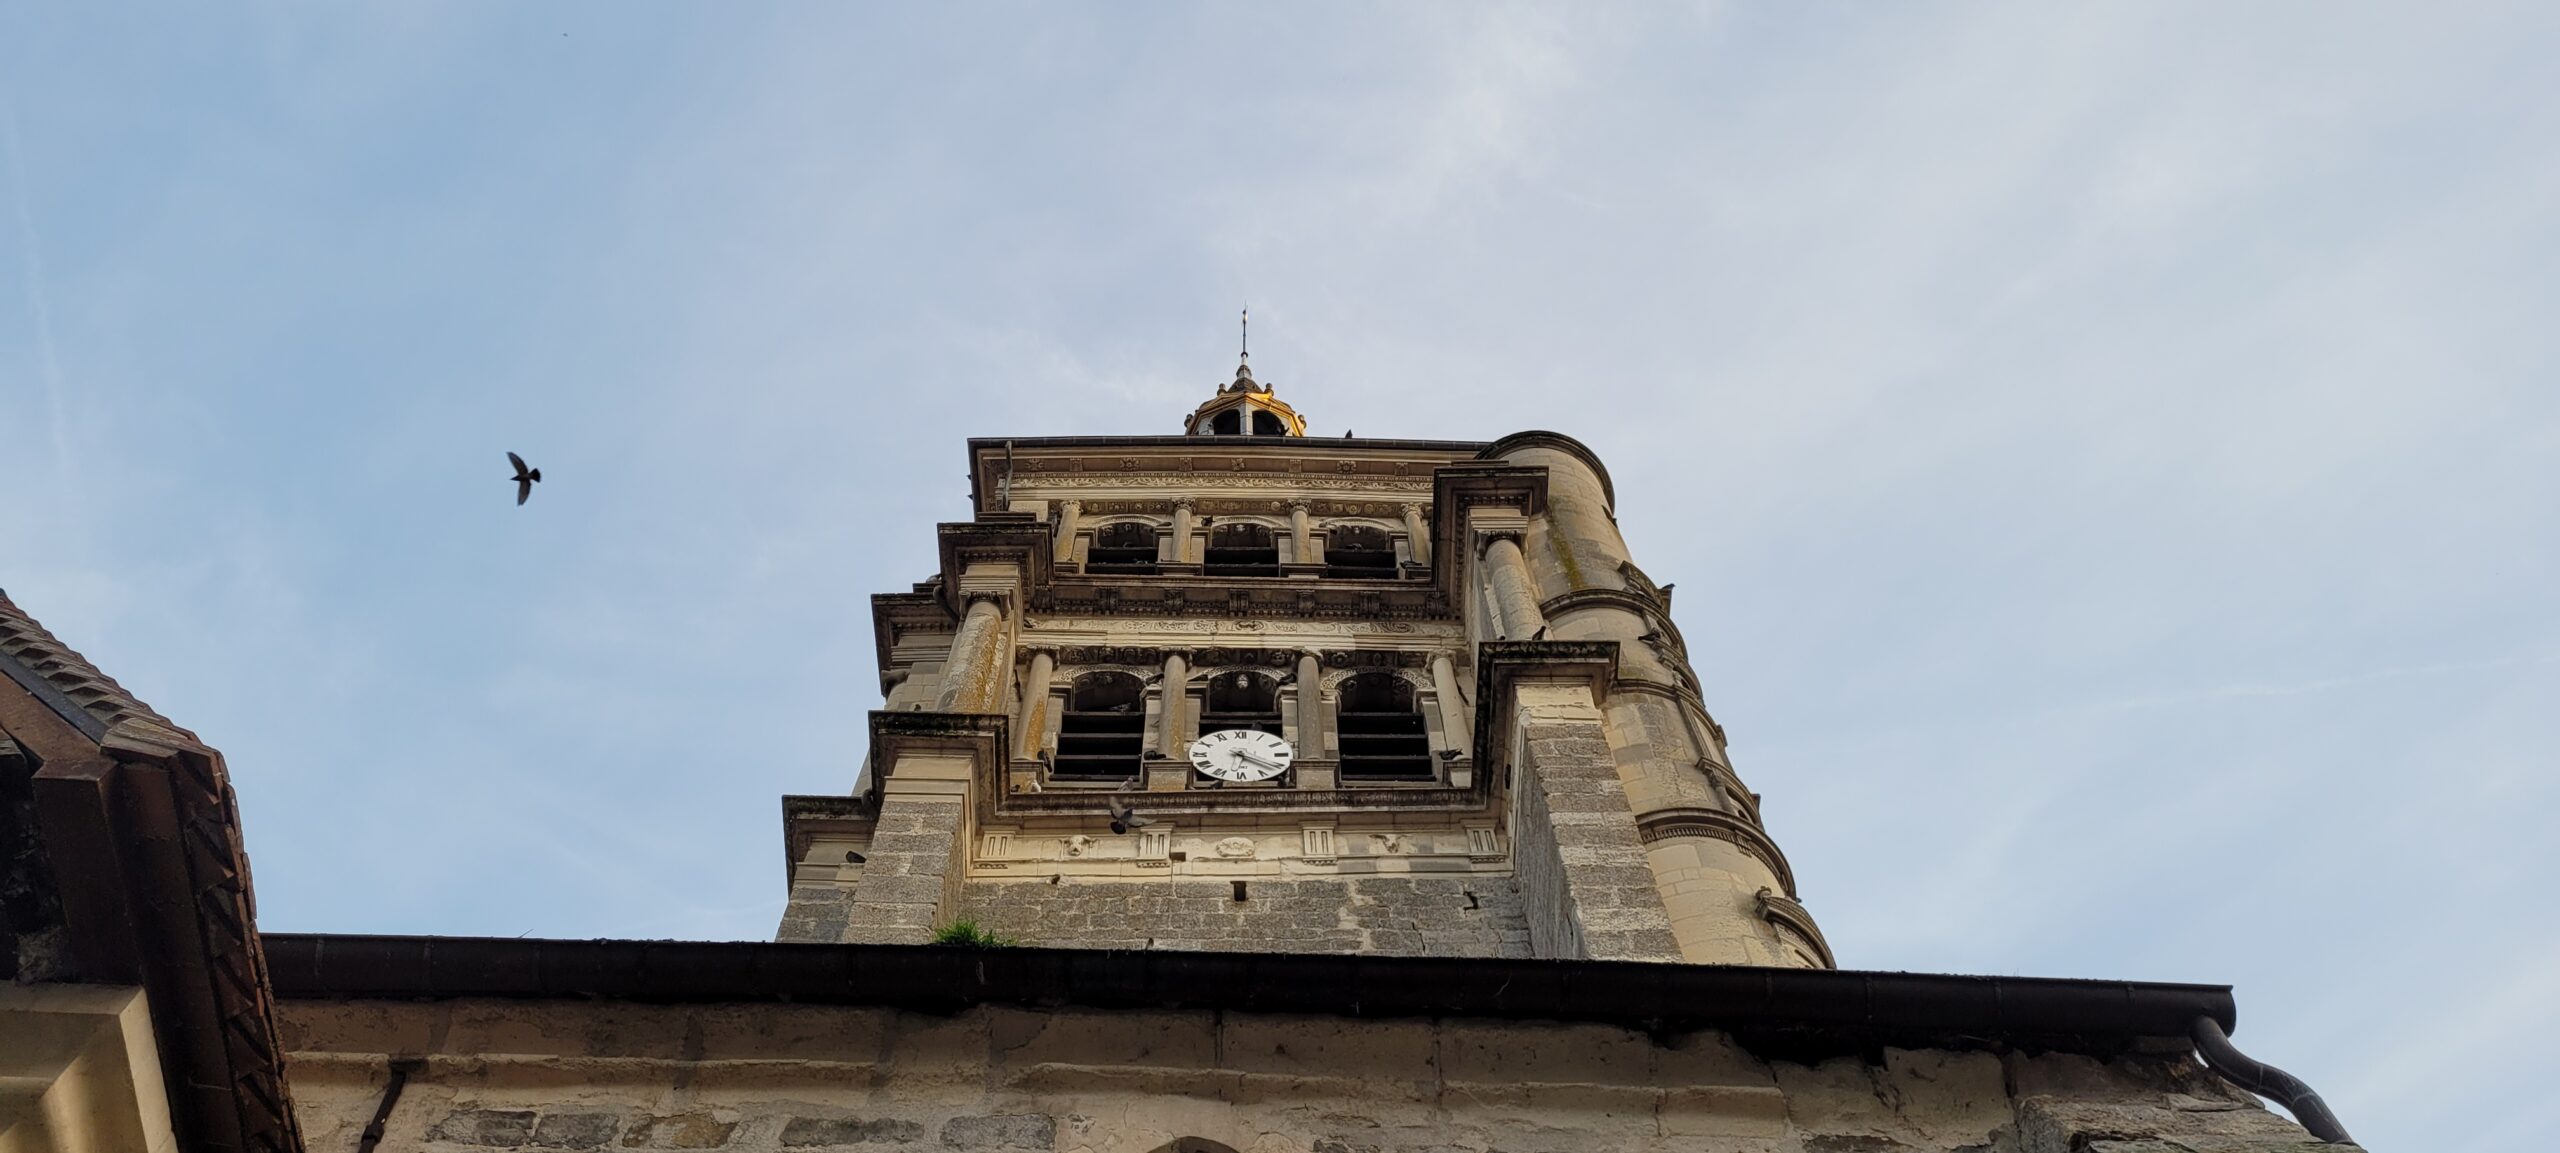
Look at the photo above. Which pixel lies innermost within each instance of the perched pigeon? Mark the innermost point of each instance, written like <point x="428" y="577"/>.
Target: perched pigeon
<point x="524" y="477"/>
<point x="1125" y="818"/>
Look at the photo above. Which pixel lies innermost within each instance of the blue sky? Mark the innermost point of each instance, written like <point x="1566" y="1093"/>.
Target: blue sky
<point x="2107" y="453"/>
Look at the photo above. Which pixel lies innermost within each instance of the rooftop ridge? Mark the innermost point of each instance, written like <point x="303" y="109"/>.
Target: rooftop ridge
<point x="34" y="648"/>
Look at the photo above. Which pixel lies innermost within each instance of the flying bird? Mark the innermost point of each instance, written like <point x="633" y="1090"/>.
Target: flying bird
<point x="1125" y="818"/>
<point x="525" y="477"/>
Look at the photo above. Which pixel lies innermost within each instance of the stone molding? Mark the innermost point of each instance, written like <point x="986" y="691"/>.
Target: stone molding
<point x="1540" y="438"/>
<point x="1396" y="629"/>
<point x="805" y="817"/>
<point x="1673" y="824"/>
<point x="1789" y="913"/>
<point x="1500" y="663"/>
<point x="1381" y="510"/>
<point x="1208" y="657"/>
<point x="982" y="737"/>
<point x="1223" y="479"/>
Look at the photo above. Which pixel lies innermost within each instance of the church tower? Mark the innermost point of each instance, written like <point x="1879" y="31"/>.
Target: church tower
<point x="1244" y="690"/>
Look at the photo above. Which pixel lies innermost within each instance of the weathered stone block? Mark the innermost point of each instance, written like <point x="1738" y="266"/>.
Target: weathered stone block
<point x="1001" y="1131"/>
<point x="1591" y="1054"/>
<point x="2057" y="1125"/>
<point x="1314" y="1047"/>
<point x="575" y="1130"/>
<point x="679" y="1131"/>
<point x="820" y="1132"/>
<point x="493" y="1127"/>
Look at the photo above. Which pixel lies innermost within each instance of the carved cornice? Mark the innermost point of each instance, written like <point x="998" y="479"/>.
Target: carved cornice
<point x="1390" y="631"/>
<point x="1673" y="824"/>
<point x="1501" y="663"/>
<point x="1212" y="481"/>
<point x="1206" y="657"/>
<point x="804" y="817"/>
<point x="1033" y="466"/>
<point x="982" y="737"/>
<point x="1785" y="911"/>
<point x="1019" y="541"/>
<point x="1245" y="598"/>
<point x="893" y="615"/>
<point x="1276" y="508"/>
<point x="1476" y="799"/>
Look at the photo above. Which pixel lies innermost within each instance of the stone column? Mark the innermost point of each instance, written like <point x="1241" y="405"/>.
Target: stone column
<point x="1300" y="535"/>
<point x="1035" y="703"/>
<point x="1177" y="681"/>
<point x="1417" y="534"/>
<point x="1515" y="597"/>
<point x="1181" y="532"/>
<point x="973" y="676"/>
<point x="1311" y="717"/>
<point x="1455" y="720"/>
<point x="1068" y="513"/>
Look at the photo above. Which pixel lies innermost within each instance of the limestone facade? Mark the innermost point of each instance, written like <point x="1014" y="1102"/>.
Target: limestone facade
<point x="1500" y="746"/>
<point x="484" y="1074"/>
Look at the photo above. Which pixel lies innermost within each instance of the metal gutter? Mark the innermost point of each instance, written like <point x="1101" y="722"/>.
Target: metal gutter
<point x="1795" y="1013"/>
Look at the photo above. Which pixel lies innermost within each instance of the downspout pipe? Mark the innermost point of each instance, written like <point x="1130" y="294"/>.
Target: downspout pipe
<point x="2266" y="1080"/>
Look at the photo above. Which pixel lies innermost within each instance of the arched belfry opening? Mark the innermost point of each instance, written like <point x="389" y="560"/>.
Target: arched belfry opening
<point x="1241" y="699"/>
<point x="1379" y="722"/>
<point x="1242" y="548"/>
<point x="1126" y="547"/>
<point x="1102" y="735"/>
<point x="1359" y="551"/>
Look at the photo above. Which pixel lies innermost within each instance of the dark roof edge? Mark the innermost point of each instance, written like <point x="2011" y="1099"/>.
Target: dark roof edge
<point x="1792" y="1012"/>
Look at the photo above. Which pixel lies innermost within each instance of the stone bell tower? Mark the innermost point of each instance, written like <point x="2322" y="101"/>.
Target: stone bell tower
<point x="1479" y="733"/>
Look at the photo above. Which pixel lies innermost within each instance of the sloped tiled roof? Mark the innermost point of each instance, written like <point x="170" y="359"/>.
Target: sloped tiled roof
<point x="38" y="651"/>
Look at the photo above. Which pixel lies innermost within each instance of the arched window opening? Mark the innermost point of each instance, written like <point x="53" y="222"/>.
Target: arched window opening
<point x="1380" y="726"/>
<point x="1359" y="551"/>
<point x="1195" y="1145"/>
<point x="1267" y="424"/>
<point x="1242" y="548"/>
<point x="1103" y="734"/>
<point x="1127" y="547"/>
<point x="1227" y="423"/>
<point x="1241" y="700"/>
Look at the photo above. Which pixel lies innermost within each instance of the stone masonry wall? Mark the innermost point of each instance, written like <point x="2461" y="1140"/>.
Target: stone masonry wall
<point x="1586" y="885"/>
<point x="1444" y="916"/>
<point x="767" y="1078"/>
<point x="913" y="874"/>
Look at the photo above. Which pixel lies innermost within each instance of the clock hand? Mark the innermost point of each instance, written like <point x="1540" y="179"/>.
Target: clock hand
<point x="1245" y="756"/>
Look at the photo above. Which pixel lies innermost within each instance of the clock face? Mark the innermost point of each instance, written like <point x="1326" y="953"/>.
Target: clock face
<point x="1241" y="755"/>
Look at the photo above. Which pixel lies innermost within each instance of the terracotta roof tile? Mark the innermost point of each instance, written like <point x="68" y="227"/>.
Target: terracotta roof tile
<point x="96" y="693"/>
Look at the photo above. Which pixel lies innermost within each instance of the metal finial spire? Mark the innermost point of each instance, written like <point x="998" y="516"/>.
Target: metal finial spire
<point x="1244" y="335"/>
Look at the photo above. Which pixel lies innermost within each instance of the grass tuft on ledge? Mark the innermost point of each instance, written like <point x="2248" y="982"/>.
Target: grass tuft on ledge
<point x="967" y="934"/>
